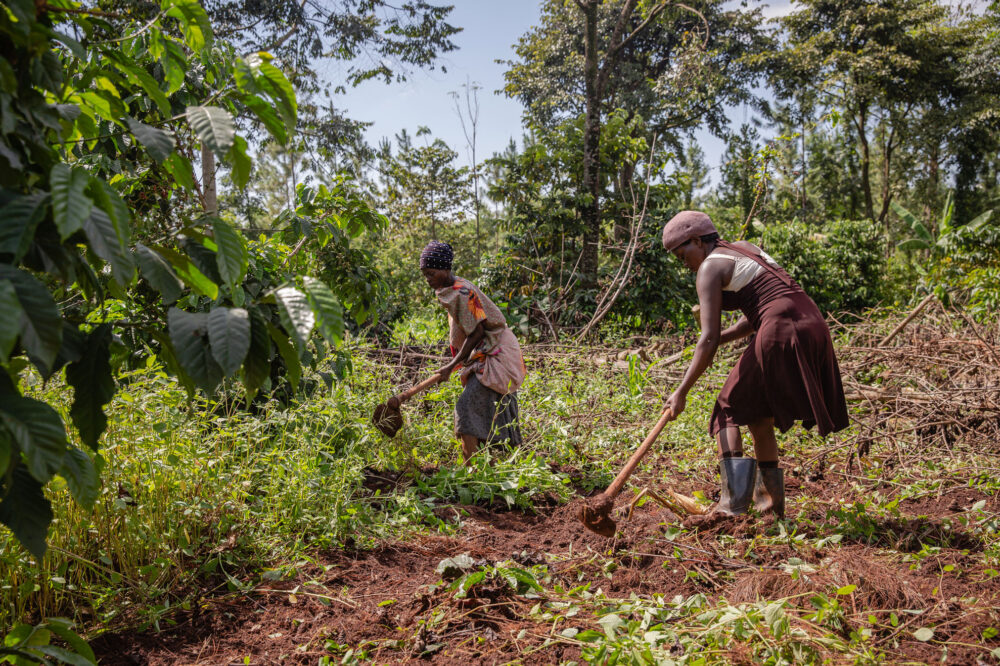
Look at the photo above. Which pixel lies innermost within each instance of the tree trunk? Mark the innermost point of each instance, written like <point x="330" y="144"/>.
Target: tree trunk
<point x="591" y="212"/>
<point x="208" y="181"/>
<point x="866" y="184"/>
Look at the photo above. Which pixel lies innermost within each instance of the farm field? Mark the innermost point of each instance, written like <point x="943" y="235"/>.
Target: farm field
<point x="323" y="540"/>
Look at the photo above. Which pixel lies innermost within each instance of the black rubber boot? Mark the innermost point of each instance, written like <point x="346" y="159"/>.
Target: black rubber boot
<point x="737" y="485"/>
<point x="769" y="492"/>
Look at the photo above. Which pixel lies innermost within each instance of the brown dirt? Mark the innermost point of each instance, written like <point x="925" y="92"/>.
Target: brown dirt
<point x="385" y="600"/>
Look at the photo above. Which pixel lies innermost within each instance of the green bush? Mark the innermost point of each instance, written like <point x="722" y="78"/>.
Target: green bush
<point x="841" y="264"/>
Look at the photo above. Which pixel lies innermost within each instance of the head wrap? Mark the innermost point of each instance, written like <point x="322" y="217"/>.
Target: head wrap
<point x="437" y="255"/>
<point x="684" y="226"/>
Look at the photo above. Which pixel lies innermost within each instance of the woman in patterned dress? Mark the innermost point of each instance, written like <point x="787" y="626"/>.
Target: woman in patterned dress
<point x="483" y="348"/>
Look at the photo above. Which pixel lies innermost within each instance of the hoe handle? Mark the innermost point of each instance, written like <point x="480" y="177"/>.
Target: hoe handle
<point x="410" y="392"/>
<point x="640" y="453"/>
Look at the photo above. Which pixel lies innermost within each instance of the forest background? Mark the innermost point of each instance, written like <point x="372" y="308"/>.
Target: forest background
<point x="180" y="192"/>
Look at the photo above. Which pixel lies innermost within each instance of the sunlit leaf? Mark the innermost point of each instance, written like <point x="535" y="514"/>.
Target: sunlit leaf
<point x="214" y="127"/>
<point x="296" y="315"/>
<point x="70" y="203"/>
<point x="329" y="313"/>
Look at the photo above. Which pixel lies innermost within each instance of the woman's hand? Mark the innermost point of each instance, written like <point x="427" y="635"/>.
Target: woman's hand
<point x="676" y="403"/>
<point x="445" y="372"/>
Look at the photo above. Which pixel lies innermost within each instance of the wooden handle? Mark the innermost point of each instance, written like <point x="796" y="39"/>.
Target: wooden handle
<point x="616" y="485"/>
<point x="410" y="392"/>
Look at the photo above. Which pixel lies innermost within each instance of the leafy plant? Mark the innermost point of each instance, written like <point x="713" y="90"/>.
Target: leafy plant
<point x="25" y="644"/>
<point x="90" y="128"/>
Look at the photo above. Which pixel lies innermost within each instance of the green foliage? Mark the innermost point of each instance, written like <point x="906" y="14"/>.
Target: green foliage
<point x="840" y="265"/>
<point x="74" y="196"/>
<point x="958" y="260"/>
<point x="25" y="645"/>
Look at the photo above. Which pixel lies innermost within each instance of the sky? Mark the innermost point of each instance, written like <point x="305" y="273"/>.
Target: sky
<point x="491" y="28"/>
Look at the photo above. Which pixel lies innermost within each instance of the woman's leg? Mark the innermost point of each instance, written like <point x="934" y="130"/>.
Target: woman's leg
<point x="470" y="444"/>
<point x="769" y="488"/>
<point x="730" y="442"/>
<point x="765" y="446"/>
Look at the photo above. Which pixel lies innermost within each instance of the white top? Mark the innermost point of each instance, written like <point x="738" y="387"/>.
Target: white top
<point x="744" y="269"/>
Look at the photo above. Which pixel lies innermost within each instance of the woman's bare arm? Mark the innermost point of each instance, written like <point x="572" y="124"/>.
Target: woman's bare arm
<point x="740" y="329"/>
<point x="709" y="285"/>
<point x="471" y="342"/>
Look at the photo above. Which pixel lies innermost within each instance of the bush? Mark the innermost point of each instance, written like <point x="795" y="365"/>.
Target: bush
<point x="841" y="264"/>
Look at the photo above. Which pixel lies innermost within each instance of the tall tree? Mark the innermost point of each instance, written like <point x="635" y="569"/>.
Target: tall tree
<point x="880" y="64"/>
<point x="673" y="64"/>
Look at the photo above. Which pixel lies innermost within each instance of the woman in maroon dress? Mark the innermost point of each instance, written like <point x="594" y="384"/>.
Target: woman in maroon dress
<point x="788" y="372"/>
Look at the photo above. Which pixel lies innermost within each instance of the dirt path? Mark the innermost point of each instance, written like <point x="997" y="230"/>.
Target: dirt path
<point x="383" y="603"/>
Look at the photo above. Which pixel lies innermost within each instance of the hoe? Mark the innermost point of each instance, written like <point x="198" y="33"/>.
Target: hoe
<point x="595" y="514"/>
<point x="387" y="417"/>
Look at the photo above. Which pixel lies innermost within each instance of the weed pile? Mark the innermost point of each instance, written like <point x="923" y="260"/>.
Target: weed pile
<point x="937" y="380"/>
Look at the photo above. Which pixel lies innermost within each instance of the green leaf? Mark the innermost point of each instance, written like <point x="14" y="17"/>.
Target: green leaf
<point x="258" y="362"/>
<point x="93" y="386"/>
<point x="10" y="321"/>
<point x="106" y="243"/>
<point x="214" y="127"/>
<point x="266" y="114"/>
<point x="38" y="430"/>
<point x="293" y="366"/>
<point x="946" y="213"/>
<point x="271" y="80"/>
<point x="158" y="144"/>
<point x="296" y="315"/>
<point x="240" y="162"/>
<point x="63" y="655"/>
<point x="6" y="451"/>
<point x="107" y="199"/>
<point x="847" y="589"/>
<point x="189" y="337"/>
<point x="923" y="634"/>
<point x="912" y="244"/>
<point x="179" y="167"/>
<point x="81" y="477"/>
<point x="40" y="324"/>
<point x="18" y="220"/>
<point x="329" y="313"/>
<point x="229" y="335"/>
<point x="193" y="20"/>
<point x="149" y="85"/>
<point x="189" y="273"/>
<point x="27" y="512"/>
<point x="70" y="203"/>
<point x="64" y="629"/>
<point x="231" y="257"/>
<point x="158" y="273"/>
<point x="981" y="221"/>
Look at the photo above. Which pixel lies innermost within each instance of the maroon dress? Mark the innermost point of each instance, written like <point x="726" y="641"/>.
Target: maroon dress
<point x="788" y="370"/>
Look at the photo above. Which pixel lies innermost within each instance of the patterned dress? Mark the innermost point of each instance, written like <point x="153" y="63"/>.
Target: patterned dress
<point x="494" y="371"/>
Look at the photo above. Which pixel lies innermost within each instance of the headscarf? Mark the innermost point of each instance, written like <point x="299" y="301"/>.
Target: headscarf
<point x="684" y="226"/>
<point x="437" y="255"/>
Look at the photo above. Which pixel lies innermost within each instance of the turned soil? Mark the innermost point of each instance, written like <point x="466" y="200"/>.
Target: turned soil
<point x="385" y="598"/>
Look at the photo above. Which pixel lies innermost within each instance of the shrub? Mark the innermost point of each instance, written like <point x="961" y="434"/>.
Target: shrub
<point x="841" y="264"/>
